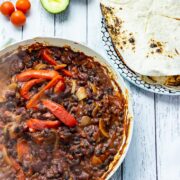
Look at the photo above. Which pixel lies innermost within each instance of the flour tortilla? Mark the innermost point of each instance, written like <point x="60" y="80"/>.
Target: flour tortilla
<point x="146" y="36"/>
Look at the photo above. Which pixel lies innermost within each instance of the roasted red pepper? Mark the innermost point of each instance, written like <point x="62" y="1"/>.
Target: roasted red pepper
<point x="60" y="112"/>
<point x="47" y="57"/>
<point x="67" y="73"/>
<point x="37" y="125"/>
<point x="29" y="74"/>
<point x="60" y="86"/>
<point x="24" y="92"/>
<point x="23" y="149"/>
<point x="36" y="97"/>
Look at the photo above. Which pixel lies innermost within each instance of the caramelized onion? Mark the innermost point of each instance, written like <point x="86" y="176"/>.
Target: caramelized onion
<point x="12" y="86"/>
<point x="74" y="84"/>
<point x="102" y="128"/>
<point x="95" y="110"/>
<point x="96" y="160"/>
<point x="81" y="93"/>
<point x="5" y="155"/>
<point x="40" y="66"/>
<point x="94" y="88"/>
<point x="10" y="130"/>
<point x="2" y="99"/>
<point x="10" y="161"/>
<point x="85" y="121"/>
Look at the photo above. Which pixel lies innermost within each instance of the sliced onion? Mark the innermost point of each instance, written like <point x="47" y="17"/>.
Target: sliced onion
<point x="95" y="110"/>
<point x="5" y="155"/>
<point x="81" y="93"/>
<point x="56" y="143"/>
<point x="40" y="66"/>
<point x="10" y="161"/>
<point x="85" y="121"/>
<point x="6" y="128"/>
<point x="96" y="160"/>
<point x="102" y="128"/>
<point x="2" y="99"/>
<point x="12" y="86"/>
<point x="74" y="85"/>
<point x="94" y="88"/>
<point x="10" y="129"/>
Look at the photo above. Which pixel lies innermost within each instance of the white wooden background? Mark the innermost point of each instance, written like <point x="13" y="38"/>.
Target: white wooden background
<point x="156" y="140"/>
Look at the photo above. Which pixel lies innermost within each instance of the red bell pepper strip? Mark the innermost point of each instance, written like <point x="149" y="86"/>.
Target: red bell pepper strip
<point x="47" y="57"/>
<point x="29" y="74"/>
<point x="60" y="112"/>
<point x="23" y="149"/>
<point x="10" y="161"/>
<point x="67" y="73"/>
<point x="24" y="92"/>
<point x="60" y="66"/>
<point x="20" y="173"/>
<point x="37" y="125"/>
<point x="60" y="86"/>
<point x="34" y="99"/>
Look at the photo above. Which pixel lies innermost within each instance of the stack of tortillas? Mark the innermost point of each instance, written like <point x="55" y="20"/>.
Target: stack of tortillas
<point x="146" y="37"/>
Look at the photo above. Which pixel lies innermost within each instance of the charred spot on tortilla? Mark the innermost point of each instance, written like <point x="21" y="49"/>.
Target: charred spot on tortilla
<point x="153" y="45"/>
<point x="176" y="51"/>
<point x="131" y="40"/>
<point x="159" y="50"/>
<point x="160" y="47"/>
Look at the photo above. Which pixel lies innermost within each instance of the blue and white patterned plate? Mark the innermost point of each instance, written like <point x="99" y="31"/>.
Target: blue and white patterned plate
<point x="126" y="72"/>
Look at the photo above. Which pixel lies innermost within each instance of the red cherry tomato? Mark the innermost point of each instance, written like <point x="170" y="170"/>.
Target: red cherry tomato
<point x="18" y="18"/>
<point x="7" y="8"/>
<point x="23" y="5"/>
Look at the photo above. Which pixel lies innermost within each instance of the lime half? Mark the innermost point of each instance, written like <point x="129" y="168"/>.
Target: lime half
<point x="55" y="6"/>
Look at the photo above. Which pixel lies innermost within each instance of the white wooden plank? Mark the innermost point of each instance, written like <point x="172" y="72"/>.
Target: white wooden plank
<point x="7" y="29"/>
<point x="94" y="27"/>
<point x="71" y="24"/>
<point x="39" y="22"/>
<point x="140" y="163"/>
<point x="168" y="137"/>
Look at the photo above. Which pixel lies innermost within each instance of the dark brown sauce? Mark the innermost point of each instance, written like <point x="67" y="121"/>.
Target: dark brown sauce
<point x="82" y="152"/>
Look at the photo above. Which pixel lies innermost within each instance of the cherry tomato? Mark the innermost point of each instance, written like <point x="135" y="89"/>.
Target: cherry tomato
<point x="7" y="8"/>
<point x="23" y="5"/>
<point x="18" y="18"/>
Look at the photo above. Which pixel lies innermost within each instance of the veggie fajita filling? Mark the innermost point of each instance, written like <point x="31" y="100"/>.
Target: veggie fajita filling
<point x="62" y="116"/>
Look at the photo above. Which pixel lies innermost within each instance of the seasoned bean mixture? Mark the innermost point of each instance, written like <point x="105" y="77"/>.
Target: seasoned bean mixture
<point x="61" y="116"/>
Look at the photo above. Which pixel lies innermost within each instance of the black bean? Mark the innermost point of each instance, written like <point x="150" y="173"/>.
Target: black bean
<point x="112" y="151"/>
<point x="20" y="110"/>
<point x="47" y="115"/>
<point x="89" y="101"/>
<point x="83" y="176"/>
<point x="77" y="171"/>
<point x="54" y="97"/>
<point x="37" y="166"/>
<point x="66" y="175"/>
<point x="29" y="64"/>
<point x="60" y="169"/>
<point x="10" y="105"/>
<point x="42" y="154"/>
<point x="10" y="94"/>
<point x="41" y="108"/>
